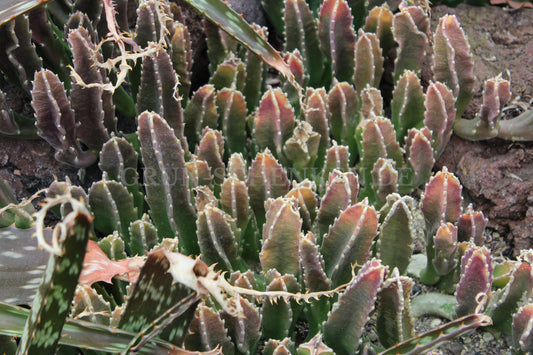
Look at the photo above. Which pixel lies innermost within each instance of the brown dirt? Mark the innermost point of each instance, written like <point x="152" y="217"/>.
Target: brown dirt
<point x="497" y="175"/>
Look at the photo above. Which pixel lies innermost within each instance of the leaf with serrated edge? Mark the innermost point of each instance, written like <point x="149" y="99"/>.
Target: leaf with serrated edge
<point x="394" y="320"/>
<point x="52" y="303"/>
<point x="337" y="37"/>
<point x="476" y="279"/>
<point x="348" y="241"/>
<point x="166" y="181"/>
<point x="342" y="330"/>
<point x="281" y="236"/>
<point x="222" y="15"/>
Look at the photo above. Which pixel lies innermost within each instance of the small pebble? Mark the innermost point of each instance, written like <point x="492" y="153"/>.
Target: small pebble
<point x="487" y="337"/>
<point x="435" y="323"/>
<point x="372" y="336"/>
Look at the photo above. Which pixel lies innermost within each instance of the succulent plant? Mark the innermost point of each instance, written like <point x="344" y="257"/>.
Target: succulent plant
<point x="258" y="207"/>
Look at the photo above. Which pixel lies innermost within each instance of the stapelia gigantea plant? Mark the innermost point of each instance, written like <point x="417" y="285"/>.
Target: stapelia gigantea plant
<point x="261" y="183"/>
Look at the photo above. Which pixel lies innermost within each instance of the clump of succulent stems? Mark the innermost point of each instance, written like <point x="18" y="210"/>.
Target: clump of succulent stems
<point x="240" y="210"/>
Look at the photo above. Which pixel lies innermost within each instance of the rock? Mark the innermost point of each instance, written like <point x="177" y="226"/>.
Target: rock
<point x="250" y="9"/>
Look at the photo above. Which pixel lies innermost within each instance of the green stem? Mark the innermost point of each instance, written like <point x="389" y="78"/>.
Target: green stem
<point x="474" y="130"/>
<point x="429" y="275"/>
<point x="124" y="102"/>
<point x="519" y="128"/>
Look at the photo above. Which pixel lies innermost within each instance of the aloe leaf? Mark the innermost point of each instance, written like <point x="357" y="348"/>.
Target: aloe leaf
<point x="13" y="8"/>
<point x="154" y="293"/>
<point x="50" y="308"/>
<point x="223" y="16"/>
<point x="426" y="341"/>
<point x="87" y="335"/>
<point x="21" y="274"/>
